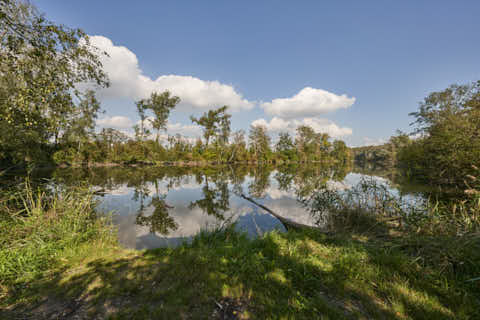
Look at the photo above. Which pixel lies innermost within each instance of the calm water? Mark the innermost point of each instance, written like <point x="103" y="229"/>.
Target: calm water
<point x="158" y="207"/>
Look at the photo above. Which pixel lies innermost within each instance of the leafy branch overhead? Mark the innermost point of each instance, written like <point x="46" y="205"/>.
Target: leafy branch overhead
<point x="42" y="66"/>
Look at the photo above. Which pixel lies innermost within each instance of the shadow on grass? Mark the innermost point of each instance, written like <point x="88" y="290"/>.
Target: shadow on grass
<point x="299" y="274"/>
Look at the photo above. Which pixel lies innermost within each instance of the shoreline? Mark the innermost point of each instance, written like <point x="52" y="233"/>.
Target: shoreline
<point x="168" y="164"/>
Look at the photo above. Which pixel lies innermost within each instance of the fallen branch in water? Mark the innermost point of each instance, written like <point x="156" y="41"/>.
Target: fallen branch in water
<point x="286" y="222"/>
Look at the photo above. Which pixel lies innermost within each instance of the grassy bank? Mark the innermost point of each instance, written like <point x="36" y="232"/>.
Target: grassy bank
<point x="300" y="274"/>
<point x="41" y="229"/>
<point x="56" y="264"/>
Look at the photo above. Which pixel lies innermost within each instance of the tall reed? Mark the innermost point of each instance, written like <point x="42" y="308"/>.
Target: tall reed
<point x="39" y="224"/>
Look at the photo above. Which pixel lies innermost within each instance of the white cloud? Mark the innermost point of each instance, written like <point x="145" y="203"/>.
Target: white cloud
<point x="119" y="122"/>
<point x="373" y="142"/>
<point x="128" y="81"/>
<point x="327" y="126"/>
<point x="307" y="103"/>
<point x="277" y="125"/>
<point x="190" y="130"/>
<point x="277" y="193"/>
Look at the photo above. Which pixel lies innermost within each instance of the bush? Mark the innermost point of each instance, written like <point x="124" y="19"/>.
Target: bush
<point x="449" y="122"/>
<point x="370" y="200"/>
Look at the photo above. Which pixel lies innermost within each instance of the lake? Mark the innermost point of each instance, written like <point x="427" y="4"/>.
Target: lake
<point x="164" y="206"/>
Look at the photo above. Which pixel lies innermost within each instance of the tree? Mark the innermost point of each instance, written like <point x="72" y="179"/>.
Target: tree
<point x="161" y="104"/>
<point x="141" y="131"/>
<point x="41" y="66"/>
<point x="449" y="124"/>
<point x="340" y="151"/>
<point x="322" y="145"/>
<point x="111" y="139"/>
<point x="395" y="144"/>
<point x="238" y="145"/>
<point x="305" y="141"/>
<point x="285" y="142"/>
<point x="259" y="142"/>
<point x="285" y="145"/>
<point x="80" y="126"/>
<point x="215" y="123"/>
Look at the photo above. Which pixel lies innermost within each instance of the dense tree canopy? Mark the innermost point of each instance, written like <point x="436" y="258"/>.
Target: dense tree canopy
<point x="42" y="66"/>
<point x="259" y="142"/>
<point x="449" y="124"/>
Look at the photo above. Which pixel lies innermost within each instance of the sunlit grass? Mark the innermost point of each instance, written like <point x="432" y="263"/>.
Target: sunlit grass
<point x="40" y="231"/>
<point x="358" y="272"/>
<point x="301" y="274"/>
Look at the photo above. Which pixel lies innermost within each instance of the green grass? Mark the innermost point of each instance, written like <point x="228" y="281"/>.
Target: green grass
<point x="59" y="261"/>
<point x="38" y="230"/>
<point x="298" y="274"/>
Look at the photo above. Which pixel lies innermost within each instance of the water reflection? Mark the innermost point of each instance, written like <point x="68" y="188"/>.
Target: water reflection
<point x="158" y="221"/>
<point x="216" y="197"/>
<point x="164" y="206"/>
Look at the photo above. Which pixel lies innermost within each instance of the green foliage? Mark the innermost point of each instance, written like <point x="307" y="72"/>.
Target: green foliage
<point x="216" y="124"/>
<point x="46" y="115"/>
<point x="38" y="228"/>
<point x="449" y="124"/>
<point x="312" y="145"/>
<point x="110" y="145"/>
<point x="160" y="104"/>
<point x="341" y="152"/>
<point x="285" y="147"/>
<point x="41" y="65"/>
<point x="298" y="274"/>
<point x="385" y="155"/>
<point x="370" y="266"/>
<point x="259" y="141"/>
<point x="370" y="200"/>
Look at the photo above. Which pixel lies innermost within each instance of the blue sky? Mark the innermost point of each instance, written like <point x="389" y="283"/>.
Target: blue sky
<point x="259" y="56"/>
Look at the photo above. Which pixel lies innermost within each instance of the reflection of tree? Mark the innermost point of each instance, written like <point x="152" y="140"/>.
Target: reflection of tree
<point x="216" y="199"/>
<point x="285" y="176"/>
<point x="159" y="221"/>
<point x="304" y="180"/>
<point x="309" y="180"/>
<point x="312" y="179"/>
<point x="237" y="177"/>
<point x="261" y="181"/>
<point x="398" y="179"/>
<point x="340" y="171"/>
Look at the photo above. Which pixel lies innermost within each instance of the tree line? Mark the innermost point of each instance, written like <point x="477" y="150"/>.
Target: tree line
<point x="47" y="115"/>
<point x="444" y="148"/>
<point x="217" y="144"/>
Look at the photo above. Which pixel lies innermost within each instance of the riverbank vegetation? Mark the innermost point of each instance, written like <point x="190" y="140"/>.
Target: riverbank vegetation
<point x="369" y="266"/>
<point x="447" y="153"/>
<point x="48" y="114"/>
<point x="444" y="147"/>
<point x="40" y="226"/>
<point x="381" y="256"/>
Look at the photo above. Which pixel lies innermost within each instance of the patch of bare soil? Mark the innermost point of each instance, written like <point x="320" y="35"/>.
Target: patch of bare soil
<point x="229" y="309"/>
